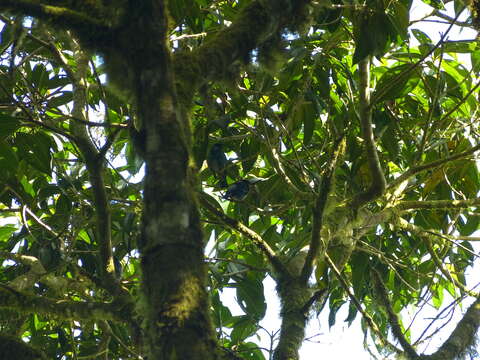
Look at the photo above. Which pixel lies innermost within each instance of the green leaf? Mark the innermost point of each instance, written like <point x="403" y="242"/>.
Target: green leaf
<point x="437" y="296"/>
<point x="134" y="160"/>
<point x="373" y="36"/>
<point x="211" y="200"/>
<point x="249" y="153"/>
<point x="309" y="118"/>
<point x="352" y="314"/>
<point x="35" y="148"/>
<point x="8" y="160"/>
<point x="363" y="42"/>
<point x="39" y="77"/>
<point x="250" y="296"/>
<point x="359" y="265"/>
<point x="6" y="37"/>
<point x="466" y="47"/>
<point x="459" y="6"/>
<point x="436" y="4"/>
<point x="8" y="125"/>
<point x="475" y="60"/>
<point x="63" y="206"/>
<point x="434" y="86"/>
<point x="243" y="328"/>
<point x="391" y="142"/>
<point x="6" y="231"/>
<point x="333" y="313"/>
<point x="221" y="314"/>
<point x="336" y="300"/>
<point x="250" y="351"/>
<point x="398" y="81"/>
<point x="400" y="18"/>
<point x="58" y="81"/>
<point x="64" y="98"/>
<point x="468" y="228"/>
<point x="421" y="36"/>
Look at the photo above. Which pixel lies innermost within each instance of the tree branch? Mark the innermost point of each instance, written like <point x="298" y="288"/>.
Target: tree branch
<point x="95" y="166"/>
<point x="277" y="264"/>
<point x="258" y="22"/>
<point x="451" y="20"/>
<point x="393" y="318"/>
<point x="319" y="209"/>
<point x="75" y="310"/>
<point x="378" y="185"/>
<point x="437" y="204"/>
<point x="429" y="237"/>
<point x="431" y="165"/>
<point x="73" y="14"/>
<point x="368" y="319"/>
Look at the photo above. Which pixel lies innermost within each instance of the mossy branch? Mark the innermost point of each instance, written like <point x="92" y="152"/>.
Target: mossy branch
<point x="378" y="185"/>
<point x="95" y="166"/>
<point x="74" y="310"/>
<point x="74" y="14"/>
<point x="258" y="22"/>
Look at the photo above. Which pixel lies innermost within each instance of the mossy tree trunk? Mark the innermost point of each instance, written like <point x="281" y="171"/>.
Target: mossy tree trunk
<point x="175" y="306"/>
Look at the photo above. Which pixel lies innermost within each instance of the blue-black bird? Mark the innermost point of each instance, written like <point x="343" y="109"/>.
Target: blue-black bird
<point x="239" y="190"/>
<point x="217" y="162"/>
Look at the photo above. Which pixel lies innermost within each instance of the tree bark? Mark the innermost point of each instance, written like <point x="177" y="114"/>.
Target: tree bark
<point x="176" y="314"/>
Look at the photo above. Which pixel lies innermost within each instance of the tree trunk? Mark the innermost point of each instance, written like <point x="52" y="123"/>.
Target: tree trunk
<point x="294" y="295"/>
<point x="177" y="323"/>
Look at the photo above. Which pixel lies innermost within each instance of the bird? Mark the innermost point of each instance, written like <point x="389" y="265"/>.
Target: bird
<point x="239" y="190"/>
<point x="217" y="162"/>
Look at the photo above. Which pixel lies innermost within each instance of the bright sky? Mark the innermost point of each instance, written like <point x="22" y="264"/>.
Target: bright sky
<point x="343" y="342"/>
